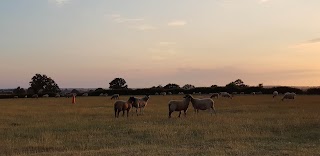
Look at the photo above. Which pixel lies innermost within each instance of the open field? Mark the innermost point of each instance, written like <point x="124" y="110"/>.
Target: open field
<point x="245" y="125"/>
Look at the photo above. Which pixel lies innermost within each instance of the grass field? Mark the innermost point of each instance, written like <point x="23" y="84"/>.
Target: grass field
<point x="245" y="125"/>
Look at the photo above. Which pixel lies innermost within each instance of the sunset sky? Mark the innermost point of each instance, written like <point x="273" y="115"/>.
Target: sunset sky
<point x="87" y="43"/>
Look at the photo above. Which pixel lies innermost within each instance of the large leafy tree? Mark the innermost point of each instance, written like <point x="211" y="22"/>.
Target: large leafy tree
<point x="171" y="86"/>
<point x="75" y="91"/>
<point x="239" y="83"/>
<point x="160" y="86"/>
<point x="19" y="91"/>
<point x="236" y="84"/>
<point x="118" y="83"/>
<point x="43" y="83"/>
<point x="188" y="86"/>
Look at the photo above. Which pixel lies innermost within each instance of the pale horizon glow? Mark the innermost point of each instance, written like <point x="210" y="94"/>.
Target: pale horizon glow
<point x="86" y="44"/>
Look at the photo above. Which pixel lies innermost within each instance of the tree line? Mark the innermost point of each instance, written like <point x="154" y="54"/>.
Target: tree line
<point x="42" y="84"/>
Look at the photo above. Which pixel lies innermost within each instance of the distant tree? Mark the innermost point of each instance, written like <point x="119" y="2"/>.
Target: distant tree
<point x="118" y="83"/>
<point x="188" y="86"/>
<point x="260" y="85"/>
<point x="160" y="86"/>
<point x="19" y="91"/>
<point x="239" y="83"/>
<point x="313" y="91"/>
<point x="75" y="91"/>
<point x="157" y="87"/>
<point x="99" y="90"/>
<point x="171" y="86"/>
<point x="236" y="84"/>
<point x="43" y="83"/>
<point x="214" y="86"/>
<point x="30" y="91"/>
<point x="231" y="85"/>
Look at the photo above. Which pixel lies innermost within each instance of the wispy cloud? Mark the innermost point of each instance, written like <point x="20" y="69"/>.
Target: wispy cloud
<point x="264" y="1"/>
<point x="59" y="2"/>
<point x="133" y="23"/>
<point x="161" y="54"/>
<point x="123" y="20"/>
<point x="114" y="16"/>
<point x="167" y="43"/>
<point x="145" y="27"/>
<point x="120" y="19"/>
<point x="177" y="23"/>
<point x="315" y="40"/>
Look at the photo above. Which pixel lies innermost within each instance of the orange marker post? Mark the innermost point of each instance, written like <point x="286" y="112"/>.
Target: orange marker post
<point x="73" y="99"/>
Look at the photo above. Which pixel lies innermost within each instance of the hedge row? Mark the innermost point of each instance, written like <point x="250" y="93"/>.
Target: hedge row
<point x="202" y="90"/>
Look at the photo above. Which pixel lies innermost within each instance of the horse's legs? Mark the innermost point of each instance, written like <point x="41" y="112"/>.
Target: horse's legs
<point x="170" y="114"/>
<point x="123" y="113"/>
<point x="179" y="114"/>
<point x="118" y="113"/>
<point x="115" y="113"/>
<point x="128" y="113"/>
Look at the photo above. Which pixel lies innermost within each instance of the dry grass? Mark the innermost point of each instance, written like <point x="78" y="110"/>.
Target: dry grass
<point x="246" y="125"/>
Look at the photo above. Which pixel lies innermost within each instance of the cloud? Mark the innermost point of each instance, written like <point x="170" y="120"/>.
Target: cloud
<point x="315" y="40"/>
<point x="114" y="16"/>
<point x="123" y="20"/>
<point x="59" y="2"/>
<point x="167" y="43"/>
<point x="310" y="44"/>
<point x="145" y="27"/>
<point x="161" y="54"/>
<point x="264" y="1"/>
<point x="177" y="23"/>
<point x="133" y="23"/>
<point x="120" y="19"/>
<point x="224" y="75"/>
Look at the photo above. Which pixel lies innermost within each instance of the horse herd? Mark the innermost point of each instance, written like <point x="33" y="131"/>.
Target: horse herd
<point x="175" y="105"/>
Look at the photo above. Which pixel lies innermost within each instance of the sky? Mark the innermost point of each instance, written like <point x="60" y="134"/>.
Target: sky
<point x="86" y="44"/>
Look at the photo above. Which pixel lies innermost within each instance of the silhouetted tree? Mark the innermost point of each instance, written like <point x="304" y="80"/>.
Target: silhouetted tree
<point x="19" y="91"/>
<point x="313" y="91"/>
<point x="236" y="84"/>
<point x="118" y="83"/>
<point x="30" y="91"/>
<point x="231" y="85"/>
<point x="214" y="86"/>
<point x="75" y="91"/>
<point x="171" y="86"/>
<point x="160" y="86"/>
<point x="188" y="86"/>
<point x="260" y="85"/>
<point x="43" y="83"/>
<point x="239" y="83"/>
<point x="99" y="90"/>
